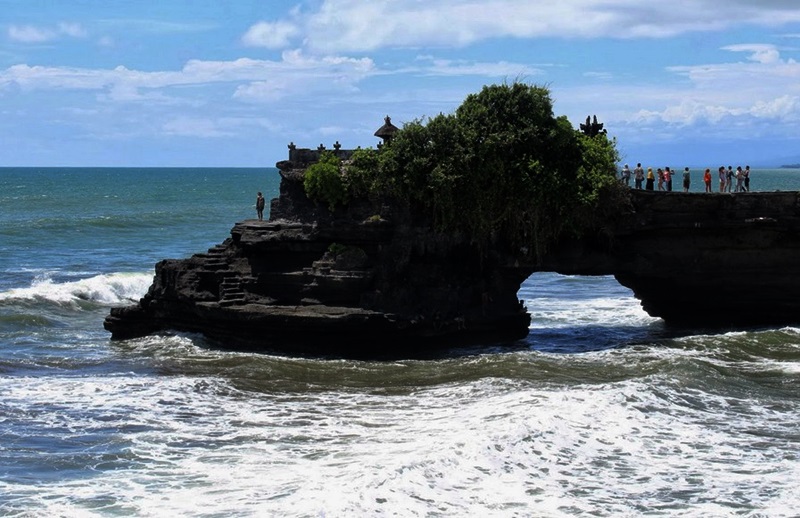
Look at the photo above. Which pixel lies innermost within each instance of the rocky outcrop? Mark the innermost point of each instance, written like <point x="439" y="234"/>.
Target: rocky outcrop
<point x="370" y="278"/>
<point x="366" y="278"/>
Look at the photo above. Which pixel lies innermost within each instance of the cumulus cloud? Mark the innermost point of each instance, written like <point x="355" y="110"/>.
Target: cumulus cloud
<point x="270" y="35"/>
<point x="760" y="53"/>
<point x="358" y="26"/>
<point x="729" y="100"/>
<point x="784" y="107"/>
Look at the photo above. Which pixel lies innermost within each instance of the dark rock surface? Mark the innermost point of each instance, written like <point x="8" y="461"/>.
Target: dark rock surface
<point x="719" y="260"/>
<point x="370" y="278"/>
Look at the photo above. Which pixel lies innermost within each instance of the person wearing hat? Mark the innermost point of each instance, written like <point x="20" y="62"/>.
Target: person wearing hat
<point x="626" y="175"/>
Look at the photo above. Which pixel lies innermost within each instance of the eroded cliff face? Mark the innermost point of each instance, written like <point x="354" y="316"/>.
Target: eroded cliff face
<point x="371" y="278"/>
<point x="713" y="260"/>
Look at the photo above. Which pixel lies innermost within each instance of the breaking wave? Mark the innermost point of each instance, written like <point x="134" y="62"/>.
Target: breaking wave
<point x="105" y="289"/>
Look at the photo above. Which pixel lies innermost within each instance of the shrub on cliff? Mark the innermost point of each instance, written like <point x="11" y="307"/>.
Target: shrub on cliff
<point x="323" y="181"/>
<point x="501" y="166"/>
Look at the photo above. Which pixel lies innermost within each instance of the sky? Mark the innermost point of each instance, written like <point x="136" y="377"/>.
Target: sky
<point x="231" y="83"/>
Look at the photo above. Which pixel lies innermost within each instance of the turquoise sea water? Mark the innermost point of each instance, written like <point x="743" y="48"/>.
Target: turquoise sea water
<point x="601" y="411"/>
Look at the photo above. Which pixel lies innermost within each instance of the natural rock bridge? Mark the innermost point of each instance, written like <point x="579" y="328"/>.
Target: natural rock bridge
<point x="369" y="278"/>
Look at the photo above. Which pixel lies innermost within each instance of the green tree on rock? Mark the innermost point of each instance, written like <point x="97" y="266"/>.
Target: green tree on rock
<point x="323" y="181"/>
<point x="502" y="166"/>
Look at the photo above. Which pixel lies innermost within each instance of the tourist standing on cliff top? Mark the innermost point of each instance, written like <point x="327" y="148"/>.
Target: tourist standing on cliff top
<point x="747" y="178"/>
<point x="686" y="179"/>
<point x="668" y="178"/>
<point x="638" y="176"/>
<point x="650" y="179"/>
<point x="729" y="179"/>
<point x="626" y="175"/>
<point x="260" y="202"/>
<point x="707" y="179"/>
<point x="722" y="178"/>
<point x="739" y="179"/>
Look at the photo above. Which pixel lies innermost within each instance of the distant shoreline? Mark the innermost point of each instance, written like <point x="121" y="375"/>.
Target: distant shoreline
<point x="790" y="166"/>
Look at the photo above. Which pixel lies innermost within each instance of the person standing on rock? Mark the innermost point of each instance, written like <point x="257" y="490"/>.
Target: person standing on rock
<point x="260" y="202"/>
<point x="687" y="179"/>
<point x="626" y="175"/>
<point x="729" y="179"/>
<point x="721" y="178"/>
<point x="747" y="178"/>
<point x="638" y="176"/>
<point x="707" y="179"/>
<point x="739" y="179"/>
<point x="668" y="178"/>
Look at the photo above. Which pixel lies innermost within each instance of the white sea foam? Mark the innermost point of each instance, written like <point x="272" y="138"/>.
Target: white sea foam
<point x="617" y="311"/>
<point x="488" y="447"/>
<point x="557" y="301"/>
<point x="103" y="289"/>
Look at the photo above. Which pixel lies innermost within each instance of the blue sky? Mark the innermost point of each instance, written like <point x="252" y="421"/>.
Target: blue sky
<point x="231" y="83"/>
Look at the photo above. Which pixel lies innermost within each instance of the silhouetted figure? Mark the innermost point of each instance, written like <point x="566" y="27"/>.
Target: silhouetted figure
<point x="260" y="202"/>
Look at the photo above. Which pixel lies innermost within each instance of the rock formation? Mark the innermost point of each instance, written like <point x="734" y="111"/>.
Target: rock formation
<point x="307" y="279"/>
<point x="712" y="260"/>
<point x="371" y="277"/>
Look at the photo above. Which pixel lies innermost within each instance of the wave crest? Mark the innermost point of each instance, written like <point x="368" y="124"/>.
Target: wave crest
<point x="113" y="288"/>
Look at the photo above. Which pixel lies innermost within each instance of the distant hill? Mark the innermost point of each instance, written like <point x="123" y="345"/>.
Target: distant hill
<point x="786" y="161"/>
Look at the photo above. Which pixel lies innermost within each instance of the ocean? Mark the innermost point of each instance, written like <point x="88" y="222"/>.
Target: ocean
<point x="600" y="411"/>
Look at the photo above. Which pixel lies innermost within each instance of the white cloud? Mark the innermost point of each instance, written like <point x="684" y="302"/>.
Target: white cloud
<point x="758" y="95"/>
<point x="259" y="80"/>
<point x="764" y="74"/>
<point x="263" y="91"/>
<point x="71" y="29"/>
<point x="270" y="35"/>
<point x="358" y="26"/>
<point x="784" y="107"/>
<point x="33" y="34"/>
<point x="498" y="69"/>
<point x="760" y="53"/>
<point x="30" y="34"/>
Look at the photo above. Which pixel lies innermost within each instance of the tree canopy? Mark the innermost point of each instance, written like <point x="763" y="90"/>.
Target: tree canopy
<point x="503" y="165"/>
